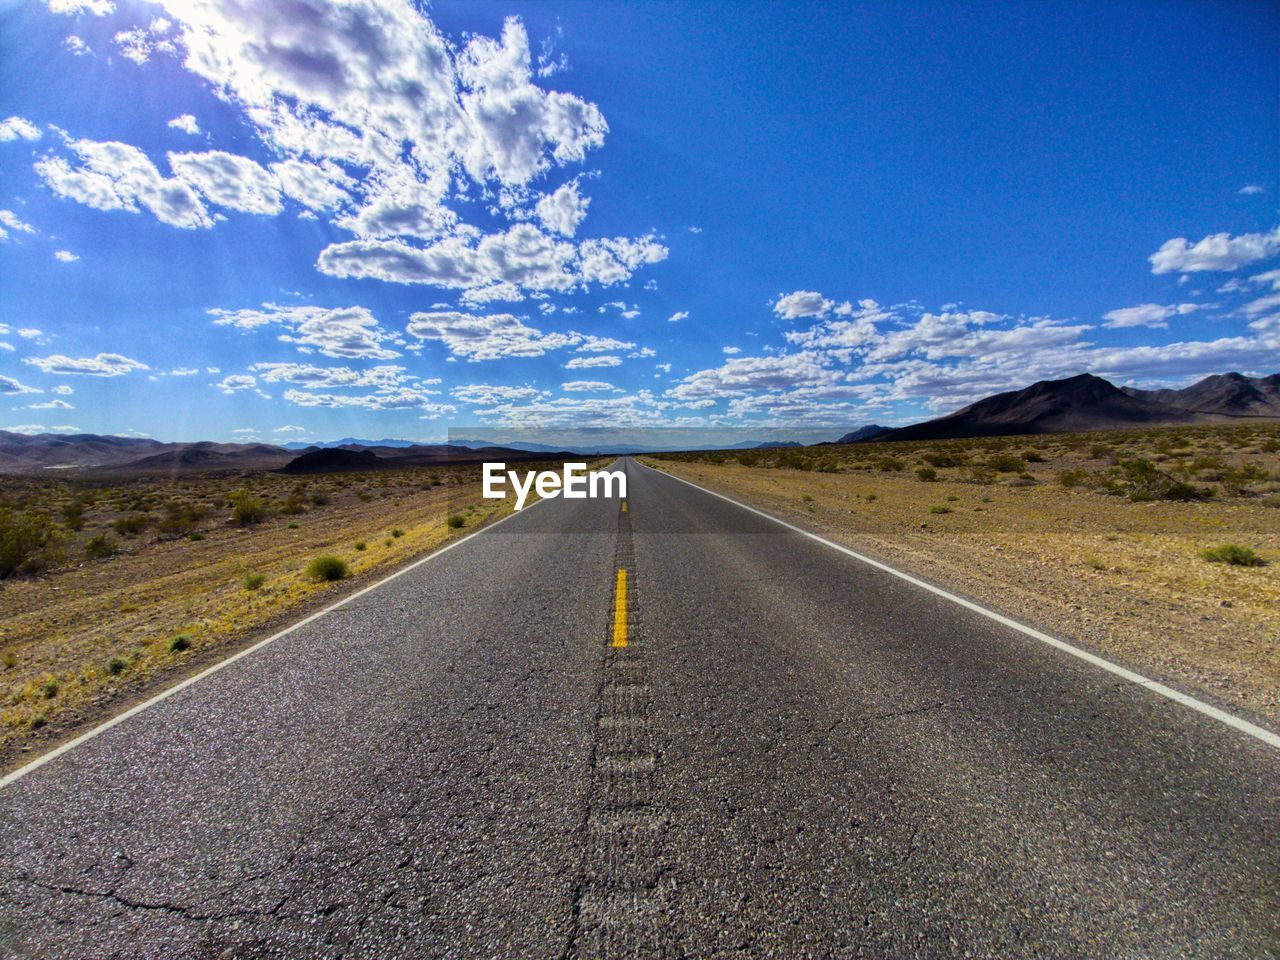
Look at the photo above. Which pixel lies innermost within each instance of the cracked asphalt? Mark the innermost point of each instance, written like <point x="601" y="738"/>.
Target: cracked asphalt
<point x="795" y="755"/>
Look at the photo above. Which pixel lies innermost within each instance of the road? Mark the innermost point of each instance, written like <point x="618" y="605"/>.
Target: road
<point x="793" y="754"/>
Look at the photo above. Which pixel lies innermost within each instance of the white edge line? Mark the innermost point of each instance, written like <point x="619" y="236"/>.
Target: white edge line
<point x="1177" y="696"/>
<point x="222" y="664"/>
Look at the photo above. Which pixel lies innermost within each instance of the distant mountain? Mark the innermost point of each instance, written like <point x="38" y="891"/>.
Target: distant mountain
<point x="333" y="460"/>
<point x="1084" y="402"/>
<point x="1224" y="394"/>
<point x="20" y="453"/>
<point x="863" y="433"/>
<point x="770" y="444"/>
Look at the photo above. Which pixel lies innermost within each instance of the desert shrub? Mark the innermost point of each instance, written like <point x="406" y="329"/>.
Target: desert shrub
<point x="49" y="689"/>
<point x="319" y="498"/>
<point x="828" y="465"/>
<point x="10" y="659"/>
<point x="361" y="545"/>
<point x="1144" y="482"/>
<point x="927" y="474"/>
<point x="101" y="547"/>
<point x="939" y="508"/>
<point x="364" y="496"/>
<point x="1005" y="463"/>
<point x="981" y="474"/>
<point x="73" y="515"/>
<point x="293" y="505"/>
<point x="1099" y="451"/>
<point x="131" y="525"/>
<point x="1072" y="477"/>
<point x="889" y="464"/>
<point x="795" y="460"/>
<point x="195" y="537"/>
<point x="942" y="460"/>
<point x="749" y="458"/>
<point x="180" y="518"/>
<point x="28" y="542"/>
<point x="254" y="581"/>
<point x="179" y="643"/>
<point x="397" y="533"/>
<point x="117" y="666"/>
<point x="38" y="721"/>
<point x="456" y="520"/>
<point x="247" y="509"/>
<point x="1032" y="456"/>
<point x="327" y="567"/>
<point x="1233" y="554"/>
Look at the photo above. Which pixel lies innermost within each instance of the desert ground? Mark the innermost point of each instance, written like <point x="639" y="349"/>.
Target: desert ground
<point x="1114" y="540"/>
<point x="115" y="588"/>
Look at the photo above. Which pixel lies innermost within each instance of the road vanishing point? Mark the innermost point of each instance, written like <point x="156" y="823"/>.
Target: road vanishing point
<point x="678" y="729"/>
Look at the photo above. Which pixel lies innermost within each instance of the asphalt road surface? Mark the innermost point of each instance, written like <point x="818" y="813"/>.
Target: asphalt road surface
<point x="794" y="754"/>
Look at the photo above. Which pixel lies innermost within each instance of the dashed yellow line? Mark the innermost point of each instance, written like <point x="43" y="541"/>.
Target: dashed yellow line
<point x="620" y="609"/>
<point x="624" y="506"/>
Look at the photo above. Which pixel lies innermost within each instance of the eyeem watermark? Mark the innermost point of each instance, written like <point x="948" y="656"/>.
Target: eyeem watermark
<point x="572" y="483"/>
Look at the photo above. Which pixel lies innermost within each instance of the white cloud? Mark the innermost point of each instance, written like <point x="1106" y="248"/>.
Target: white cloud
<point x="802" y="303"/>
<point x="76" y="45"/>
<point x="62" y="390"/>
<point x="582" y="363"/>
<point x="65" y="256"/>
<point x="237" y="183"/>
<point x="485" y="393"/>
<point x="1218" y="251"/>
<point x="11" y="222"/>
<point x="117" y="176"/>
<point x="589" y="386"/>
<point x="186" y="123"/>
<point x="15" y="128"/>
<point x="489" y="337"/>
<point x="678" y="316"/>
<point x="1251" y="189"/>
<point x="342" y="332"/>
<point x="402" y="399"/>
<point x="730" y="351"/>
<point x="237" y="383"/>
<point x="317" y="186"/>
<point x="594" y="344"/>
<point x="51" y="405"/>
<point x="562" y="211"/>
<point x="8" y="386"/>
<point x="290" y="428"/>
<point x="382" y="377"/>
<point x="184" y="371"/>
<point x="98" y="8"/>
<point x="102" y="365"/>
<point x="1147" y="314"/>
<point x="134" y="45"/>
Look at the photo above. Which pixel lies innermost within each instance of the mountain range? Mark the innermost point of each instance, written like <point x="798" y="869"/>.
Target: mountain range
<point x="1083" y="402"/>
<point x="1087" y="402"/>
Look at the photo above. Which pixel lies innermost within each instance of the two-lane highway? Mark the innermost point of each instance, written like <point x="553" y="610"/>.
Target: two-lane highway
<point x="678" y="730"/>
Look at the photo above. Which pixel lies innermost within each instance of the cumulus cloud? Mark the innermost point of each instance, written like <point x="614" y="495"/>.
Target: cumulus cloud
<point x="116" y="176"/>
<point x="1148" y="315"/>
<point x="98" y="8"/>
<point x="18" y="128"/>
<point x="402" y="399"/>
<point x="1218" y="251"/>
<point x="237" y="183"/>
<point x="491" y="337"/>
<point x="237" y="383"/>
<point x="51" y="405"/>
<point x="384" y="376"/>
<point x="65" y="256"/>
<point x="562" y="211"/>
<point x="802" y="303"/>
<point x="76" y="46"/>
<point x="583" y="363"/>
<point x="374" y="115"/>
<point x="186" y="123"/>
<point x="342" y="332"/>
<point x="589" y="386"/>
<point x="10" y="222"/>
<point x="487" y="394"/>
<point x="8" y="386"/>
<point x="678" y="316"/>
<point x="102" y="365"/>
<point x="1251" y="189"/>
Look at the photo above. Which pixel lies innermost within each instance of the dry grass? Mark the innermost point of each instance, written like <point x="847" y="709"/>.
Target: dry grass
<point x="1073" y="537"/>
<point x="217" y="560"/>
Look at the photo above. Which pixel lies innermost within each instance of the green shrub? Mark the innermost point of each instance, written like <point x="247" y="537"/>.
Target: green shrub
<point x="1072" y="477"/>
<point x="456" y="520"/>
<point x="927" y="474"/>
<point x="361" y="545"/>
<point x="247" y="509"/>
<point x="101" y="547"/>
<point x="939" y="508"/>
<point x="49" y="689"/>
<point x="117" y="666"/>
<point x="941" y="460"/>
<point x="327" y="567"/>
<point x="1032" y="456"/>
<point x="179" y="643"/>
<point x="131" y="525"/>
<point x="1233" y="554"/>
<point x="254" y="581"/>
<point x="1005" y="463"/>
<point x="38" y="721"/>
<point x="27" y="542"/>
<point x="195" y="537"/>
<point x="397" y="533"/>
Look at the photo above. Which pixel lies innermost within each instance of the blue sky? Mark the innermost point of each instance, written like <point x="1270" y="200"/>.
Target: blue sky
<point x="230" y="221"/>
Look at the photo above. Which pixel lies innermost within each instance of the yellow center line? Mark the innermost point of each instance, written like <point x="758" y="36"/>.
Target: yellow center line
<point x="620" y="609"/>
<point x="624" y="506"/>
